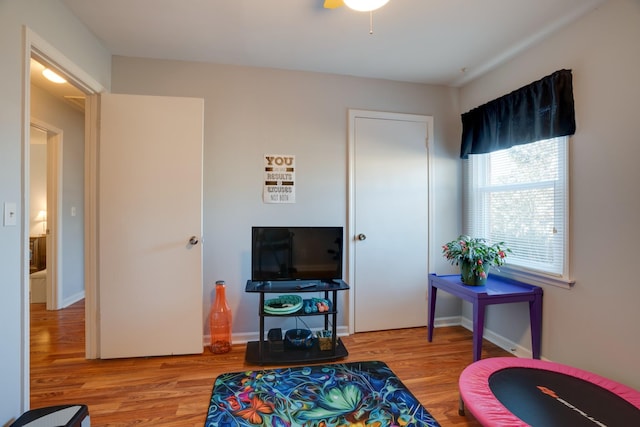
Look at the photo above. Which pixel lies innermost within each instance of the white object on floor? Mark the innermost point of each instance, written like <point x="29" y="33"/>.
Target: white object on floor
<point x="58" y="416"/>
<point x="38" y="283"/>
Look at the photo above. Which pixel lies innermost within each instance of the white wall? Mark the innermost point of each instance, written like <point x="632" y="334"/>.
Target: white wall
<point x="70" y="121"/>
<point x="51" y="21"/>
<point x="250" y="112"/>
<point x="593" y="326"/>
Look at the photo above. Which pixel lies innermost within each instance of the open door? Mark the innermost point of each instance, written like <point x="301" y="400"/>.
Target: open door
<point x="149" y="210"/>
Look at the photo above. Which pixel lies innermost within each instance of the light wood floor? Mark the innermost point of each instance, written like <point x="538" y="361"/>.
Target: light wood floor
<point x="175" y="391"/>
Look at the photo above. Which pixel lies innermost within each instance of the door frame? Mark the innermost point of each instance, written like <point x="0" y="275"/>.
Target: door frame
<point x="40" y="48"/>
<point x="55" y="256"/>
<point x="351" y="226"/>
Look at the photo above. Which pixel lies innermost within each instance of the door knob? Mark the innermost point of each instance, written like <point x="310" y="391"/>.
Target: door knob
<point x="193" y="240"/>
<point x="362" y="236"/>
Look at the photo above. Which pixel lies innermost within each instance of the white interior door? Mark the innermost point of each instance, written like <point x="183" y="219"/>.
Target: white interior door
<point x="389" y="220"/>
<point x="149" y="206"/>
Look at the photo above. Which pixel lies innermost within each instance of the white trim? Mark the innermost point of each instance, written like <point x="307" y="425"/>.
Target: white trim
<point x="25" y="317"/>
<point x="353" y="114"/>
<point x="431" y="244"/>
<point x="36" y="45"/>
<point x="442" y="322"/>
<point x="492" y="337"/>
<point x="502" y="342"/>
<point x="351" y="218"/>
<point x="79" y="296"/>
<point x="533" y="277"/>
<point x="55" y="146"/>
<point x="476" y="185"/>
<point x="43" y="50"/>
<point x="92" y="330"/>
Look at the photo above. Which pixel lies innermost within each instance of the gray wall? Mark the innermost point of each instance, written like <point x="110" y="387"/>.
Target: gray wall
<point x="250" y="112"/>
<point x="595" y="325"/>
<point x="52" y="22"/>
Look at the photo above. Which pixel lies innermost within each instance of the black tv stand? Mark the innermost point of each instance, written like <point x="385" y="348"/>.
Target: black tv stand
<point x="260" y="352"/>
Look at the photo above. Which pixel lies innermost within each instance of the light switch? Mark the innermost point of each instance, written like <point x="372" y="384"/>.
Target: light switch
<point x="73" y="211"/>
<point x="10" y="214"/>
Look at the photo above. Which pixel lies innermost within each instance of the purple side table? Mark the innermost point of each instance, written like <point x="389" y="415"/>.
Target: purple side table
<point x="498" y="290"/>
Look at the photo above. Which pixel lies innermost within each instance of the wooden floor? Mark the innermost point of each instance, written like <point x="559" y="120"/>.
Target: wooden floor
<point x="175" y="391"/>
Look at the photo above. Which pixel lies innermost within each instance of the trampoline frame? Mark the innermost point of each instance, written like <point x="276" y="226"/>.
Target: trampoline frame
<point x="478" y="398"/>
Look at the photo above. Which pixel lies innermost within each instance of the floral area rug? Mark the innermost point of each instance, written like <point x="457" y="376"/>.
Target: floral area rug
<point x="336" y="395"/>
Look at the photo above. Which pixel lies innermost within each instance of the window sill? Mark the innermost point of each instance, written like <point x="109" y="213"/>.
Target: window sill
<point x="534" y="278"/>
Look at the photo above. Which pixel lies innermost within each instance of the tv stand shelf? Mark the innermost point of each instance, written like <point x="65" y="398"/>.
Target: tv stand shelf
<point x="258" y="352"/>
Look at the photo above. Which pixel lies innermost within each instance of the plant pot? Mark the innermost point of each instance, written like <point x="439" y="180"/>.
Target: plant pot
<point x="467" y="276"/>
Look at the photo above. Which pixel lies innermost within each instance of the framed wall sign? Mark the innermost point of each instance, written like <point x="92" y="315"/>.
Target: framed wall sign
<point x="279" y="179"/>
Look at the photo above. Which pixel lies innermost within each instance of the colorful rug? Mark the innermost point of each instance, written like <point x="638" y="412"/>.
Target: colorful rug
<point x="337" y="395"/>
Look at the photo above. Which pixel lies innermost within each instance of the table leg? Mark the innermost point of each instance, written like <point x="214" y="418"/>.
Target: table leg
<point x="261" y="342"/>
<point x="432" y="309"/>
<point x="460" y="406"/>
<point x="535" y="318"/>
<point x="478" y="329"/>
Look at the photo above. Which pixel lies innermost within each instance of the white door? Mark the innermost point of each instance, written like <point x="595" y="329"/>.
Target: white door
<point x="149" y="206"/>
<point x="389" y="219"/>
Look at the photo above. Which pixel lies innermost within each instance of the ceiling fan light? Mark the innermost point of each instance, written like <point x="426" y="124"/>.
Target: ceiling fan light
<point x="365" y="5"/>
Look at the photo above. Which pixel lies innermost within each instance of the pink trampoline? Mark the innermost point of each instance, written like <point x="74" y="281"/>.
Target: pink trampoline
<point x="509" y="391"/>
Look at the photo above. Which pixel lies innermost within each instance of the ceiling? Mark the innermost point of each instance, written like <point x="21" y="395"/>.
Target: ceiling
<point x="440" y="42"/>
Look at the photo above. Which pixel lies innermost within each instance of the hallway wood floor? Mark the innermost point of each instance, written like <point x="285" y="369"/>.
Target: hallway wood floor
<point x="175" y="391"/>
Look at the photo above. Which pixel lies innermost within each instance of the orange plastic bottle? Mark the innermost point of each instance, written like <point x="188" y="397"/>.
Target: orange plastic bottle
<point x="220" y="321"/>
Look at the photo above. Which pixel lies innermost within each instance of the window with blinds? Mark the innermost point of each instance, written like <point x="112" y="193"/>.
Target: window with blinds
<point x="520" y="196"/>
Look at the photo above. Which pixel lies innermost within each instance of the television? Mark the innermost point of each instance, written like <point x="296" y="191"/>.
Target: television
<point x="296" y="253"/>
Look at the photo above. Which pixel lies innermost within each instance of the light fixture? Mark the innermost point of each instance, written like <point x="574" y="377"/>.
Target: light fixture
<point x="42" y="217"/>
<point x="365" y="5"/>
<point x="52" y="76"/>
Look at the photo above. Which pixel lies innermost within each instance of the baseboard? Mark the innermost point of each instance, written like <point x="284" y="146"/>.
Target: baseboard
<point x="72" y="299"/>
<point x="492" y="337"/>
<point x="441" y="322"/>
<point x="502" y="342"/>
<point x="489" y="335"/>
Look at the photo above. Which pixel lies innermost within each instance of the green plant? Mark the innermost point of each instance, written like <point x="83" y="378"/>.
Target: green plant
<point x="477" y="252"/>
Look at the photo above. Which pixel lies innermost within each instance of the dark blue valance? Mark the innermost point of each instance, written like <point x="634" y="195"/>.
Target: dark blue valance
<point x="541" y="110"/>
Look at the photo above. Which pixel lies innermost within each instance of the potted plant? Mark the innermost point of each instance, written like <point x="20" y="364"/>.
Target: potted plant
<point x="475" y="256"/>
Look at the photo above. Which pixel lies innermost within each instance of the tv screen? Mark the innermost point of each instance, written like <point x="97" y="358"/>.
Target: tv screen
<point x="296" y="253"/>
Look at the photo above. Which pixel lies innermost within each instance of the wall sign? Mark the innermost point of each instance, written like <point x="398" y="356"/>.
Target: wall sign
<point x="279" y="179"/>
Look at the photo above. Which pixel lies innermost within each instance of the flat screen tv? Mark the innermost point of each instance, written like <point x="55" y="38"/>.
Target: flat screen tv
<point x="296" y="253"/>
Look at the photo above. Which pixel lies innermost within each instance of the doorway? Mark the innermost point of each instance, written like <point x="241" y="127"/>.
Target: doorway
<point x="45" y="237"/>
<point x="389" y="222"/>
<point x="57" y="113"/>
<point x="38" y="48"/>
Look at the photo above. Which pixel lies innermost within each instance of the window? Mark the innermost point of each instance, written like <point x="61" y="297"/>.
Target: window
<point x="520" y="196"/>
